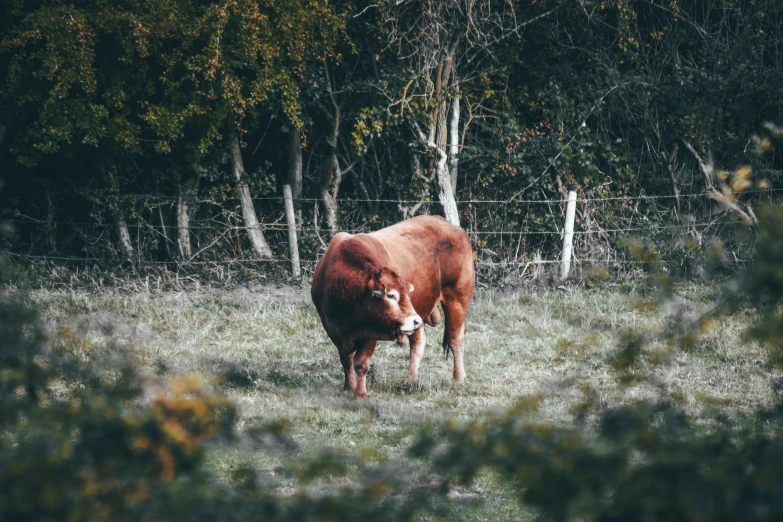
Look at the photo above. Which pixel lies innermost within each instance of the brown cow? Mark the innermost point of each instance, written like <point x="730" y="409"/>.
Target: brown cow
<point x="377" y="287"/>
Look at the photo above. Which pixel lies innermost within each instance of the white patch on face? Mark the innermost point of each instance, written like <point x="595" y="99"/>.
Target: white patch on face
<point x="393" y="295"/>
<point x="411" y="324"/>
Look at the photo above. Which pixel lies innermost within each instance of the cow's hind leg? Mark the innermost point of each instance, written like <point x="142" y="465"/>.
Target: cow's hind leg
<point x="454" y="334"/>
<point x="361" y="363"/>
<point x="417" y="340"/>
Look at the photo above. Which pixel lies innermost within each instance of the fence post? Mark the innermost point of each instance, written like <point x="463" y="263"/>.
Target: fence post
<point x="568" y="237"/>
<point x="292" y="243"/>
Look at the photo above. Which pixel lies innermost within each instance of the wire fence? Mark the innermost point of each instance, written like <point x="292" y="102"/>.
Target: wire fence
<point x="511" y="234"/>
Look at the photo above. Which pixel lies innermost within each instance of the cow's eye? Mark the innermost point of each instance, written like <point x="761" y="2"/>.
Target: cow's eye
<point x="392" y="297"/>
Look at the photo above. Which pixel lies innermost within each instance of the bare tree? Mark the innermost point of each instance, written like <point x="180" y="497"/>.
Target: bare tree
<point x="185" y="194"/>
<point x="454" y="144"/>
<point x="440" y="45"/>
<point x="332" y="173"/>
<point x="257" y="240"/>
<point x="120" y="222"/>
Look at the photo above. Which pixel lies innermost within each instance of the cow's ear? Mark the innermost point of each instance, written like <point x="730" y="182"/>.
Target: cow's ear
<point x="410" y="287"/>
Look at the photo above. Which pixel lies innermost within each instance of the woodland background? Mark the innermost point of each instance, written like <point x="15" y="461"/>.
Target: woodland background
<point x="160" y="132"/>
<point x="153" y="137"/>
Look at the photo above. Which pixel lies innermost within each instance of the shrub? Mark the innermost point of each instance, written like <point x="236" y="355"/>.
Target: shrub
<point x="646" y="460"/>
<point x="83" y="436"/>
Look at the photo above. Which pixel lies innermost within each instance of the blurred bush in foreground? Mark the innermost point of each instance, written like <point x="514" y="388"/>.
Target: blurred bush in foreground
<point x="646" y="461"/>
<point x="84" y="437"/>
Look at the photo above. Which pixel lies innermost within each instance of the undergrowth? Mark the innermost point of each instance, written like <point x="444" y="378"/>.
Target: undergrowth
<point x="267" y="354"/>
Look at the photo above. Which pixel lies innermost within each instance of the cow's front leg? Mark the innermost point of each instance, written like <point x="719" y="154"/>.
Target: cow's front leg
<point x="346" y="358"/>
<point x="417" y="340"/>
<point x="361" y="363"/>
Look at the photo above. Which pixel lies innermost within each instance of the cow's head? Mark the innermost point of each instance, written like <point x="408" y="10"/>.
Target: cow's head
<point x="390" y="304"/>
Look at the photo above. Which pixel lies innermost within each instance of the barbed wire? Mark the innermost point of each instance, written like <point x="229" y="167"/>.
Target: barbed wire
<point x="301" y="228"/>
<point x="215" y="226"/>
<point x="524" y="201"/>
<point x="169" y="200"/>
<point x="221" y="222"/>
<point x="558" y="261"/>
<point x="310" y="262"/>
<point x="145" y="262"/>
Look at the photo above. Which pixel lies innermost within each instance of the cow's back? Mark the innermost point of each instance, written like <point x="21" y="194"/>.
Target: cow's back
<point x="432" y="254"/>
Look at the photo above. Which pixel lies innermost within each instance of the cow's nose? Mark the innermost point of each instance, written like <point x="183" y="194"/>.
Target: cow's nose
<point x="417" y="322"/>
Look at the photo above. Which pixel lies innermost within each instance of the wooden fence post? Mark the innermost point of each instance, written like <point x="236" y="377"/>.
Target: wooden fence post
<point x="296" y="271"/>
<point x="568" y="237"/>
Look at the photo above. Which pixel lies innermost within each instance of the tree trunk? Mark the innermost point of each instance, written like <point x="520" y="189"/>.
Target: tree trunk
<point x="126" y="247"/>
<point x="559" y="182"/>
<point x="330" y="200"/>
<point x="165" y="232"/>
<point x="438" y="137"/>
<point x="671" y="165"/>
<point x="257" y="241"/>
<point x="454" y="144"/>
<point x="445" y="193"/>
<point x="120" y="223"/>
<point x="295" y="163"/>
<point x="184" y="197"/>
<point x="442" y="175"/>
<point x="332" y="173"/>
<point x="410" y="211"/>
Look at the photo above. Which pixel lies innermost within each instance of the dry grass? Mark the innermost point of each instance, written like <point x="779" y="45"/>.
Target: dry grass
<point x="280" y="364"/>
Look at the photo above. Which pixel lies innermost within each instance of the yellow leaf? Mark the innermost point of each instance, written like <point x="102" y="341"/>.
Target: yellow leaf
<point x="741" y="179"/>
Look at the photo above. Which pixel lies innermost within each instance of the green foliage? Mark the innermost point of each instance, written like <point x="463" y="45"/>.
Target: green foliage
<point x="109" y="72"/>
<point x="647" y="460"/>
<point x="764" y="283"/>
<point x="596" y="96"/>
<point x="74" y="446"/>
<point x="84" y="436"/>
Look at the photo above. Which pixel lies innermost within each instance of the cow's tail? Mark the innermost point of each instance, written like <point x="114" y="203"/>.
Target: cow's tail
<point x="446" y="346"/>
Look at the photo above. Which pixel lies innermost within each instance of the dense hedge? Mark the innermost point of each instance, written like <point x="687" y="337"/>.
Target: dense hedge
<point x="116" y="112"/>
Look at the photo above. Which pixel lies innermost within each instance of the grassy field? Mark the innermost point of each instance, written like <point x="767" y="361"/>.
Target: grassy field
<point x="266" y="349"/>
